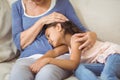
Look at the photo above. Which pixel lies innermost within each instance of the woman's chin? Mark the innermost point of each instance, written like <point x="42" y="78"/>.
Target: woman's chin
<point x="36" y="0"/>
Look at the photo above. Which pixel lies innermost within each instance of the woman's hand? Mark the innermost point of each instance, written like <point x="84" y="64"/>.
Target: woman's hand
<point x="88" y="39"/>
<point x="53" y="17"/>
<point x="36" y="66"/>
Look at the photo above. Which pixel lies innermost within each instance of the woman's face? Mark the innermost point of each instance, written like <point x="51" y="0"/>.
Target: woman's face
<point x="53" y="35"/>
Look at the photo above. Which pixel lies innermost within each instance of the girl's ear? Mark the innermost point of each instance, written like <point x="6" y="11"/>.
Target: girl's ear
<point x="59" y="27"/>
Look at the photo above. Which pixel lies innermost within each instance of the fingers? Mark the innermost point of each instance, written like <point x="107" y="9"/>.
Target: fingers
<point x="34" y="68"/>
<point x="82" y="39"/>
<point x="56" y="20"/>
<point x="59" y="16"/>
<point x="80" y="34"/>
<point x="53" y="17"/>
<point x="86" y="48"/>
<point x="84" y="45"/>
<point x="87" y="39"/>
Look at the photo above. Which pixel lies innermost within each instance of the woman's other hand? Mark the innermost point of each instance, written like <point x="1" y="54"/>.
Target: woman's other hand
<point x="36" y="66"/>
<point x="88" y="39"/>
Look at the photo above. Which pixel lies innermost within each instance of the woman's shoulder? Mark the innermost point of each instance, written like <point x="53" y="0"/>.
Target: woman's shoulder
<point x="17" y="3"/>
<point x="62" y="1"/>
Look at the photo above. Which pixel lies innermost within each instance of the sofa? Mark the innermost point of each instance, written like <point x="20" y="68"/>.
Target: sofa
<point x="100" y="16"/>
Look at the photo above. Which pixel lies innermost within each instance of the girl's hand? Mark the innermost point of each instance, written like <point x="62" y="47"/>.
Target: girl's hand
<point x="53" y="17"/>
<point x="35" y="67"/>
<point x="88" y="39"/>
<point x="73" y="43"/>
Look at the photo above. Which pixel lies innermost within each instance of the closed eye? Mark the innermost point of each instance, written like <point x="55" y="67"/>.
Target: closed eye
<point x="47" y="36"/>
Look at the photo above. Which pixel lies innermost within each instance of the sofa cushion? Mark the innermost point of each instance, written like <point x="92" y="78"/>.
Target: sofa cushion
<point x="5" y="69"/>
<point x="7" y="49"/>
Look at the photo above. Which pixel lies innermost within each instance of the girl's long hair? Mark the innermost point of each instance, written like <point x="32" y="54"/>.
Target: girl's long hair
<point x="68" y="26"/>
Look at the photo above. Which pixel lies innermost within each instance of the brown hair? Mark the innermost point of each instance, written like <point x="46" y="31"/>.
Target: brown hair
<point x="68" y="26"/>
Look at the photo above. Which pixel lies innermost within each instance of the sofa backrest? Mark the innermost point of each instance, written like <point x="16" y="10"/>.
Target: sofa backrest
<point x="101" y="16"/>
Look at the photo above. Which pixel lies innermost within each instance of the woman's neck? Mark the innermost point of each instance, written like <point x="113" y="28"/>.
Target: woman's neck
<point x="44" y="3"/>
<point x="38" y="8"/>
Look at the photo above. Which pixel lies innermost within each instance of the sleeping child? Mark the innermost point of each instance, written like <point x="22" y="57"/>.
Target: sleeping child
<point x="103" y="59"/>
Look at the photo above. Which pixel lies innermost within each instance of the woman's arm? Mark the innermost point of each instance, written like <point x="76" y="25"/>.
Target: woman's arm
<point x="23" y="38"/>
<point x="72" y="16"/>
<point x="89" y="38"/>
<point x="16" y="25"/>
<point x="28" y="36"/>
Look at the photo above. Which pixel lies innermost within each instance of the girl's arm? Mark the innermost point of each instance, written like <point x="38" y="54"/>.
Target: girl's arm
<point x="74" y="57"/>
<point x="60" y="50"/>
<point x="49" y="58"/>
<point x="38" y="64"/>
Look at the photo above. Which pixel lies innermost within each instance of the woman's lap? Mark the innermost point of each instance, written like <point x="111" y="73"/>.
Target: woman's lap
<point x="21" y="71"/>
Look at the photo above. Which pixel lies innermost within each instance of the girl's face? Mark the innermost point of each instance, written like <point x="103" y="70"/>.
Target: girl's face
<point x="54" y="36"/>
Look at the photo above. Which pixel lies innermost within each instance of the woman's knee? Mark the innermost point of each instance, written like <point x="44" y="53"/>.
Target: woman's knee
<point x="21" y="71"/>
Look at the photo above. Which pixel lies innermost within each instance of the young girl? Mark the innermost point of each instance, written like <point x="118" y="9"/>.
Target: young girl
<point x="103" y="59"/>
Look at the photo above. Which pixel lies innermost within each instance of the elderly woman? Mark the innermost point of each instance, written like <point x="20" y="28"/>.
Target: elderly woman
<point x="28" y="20"/>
